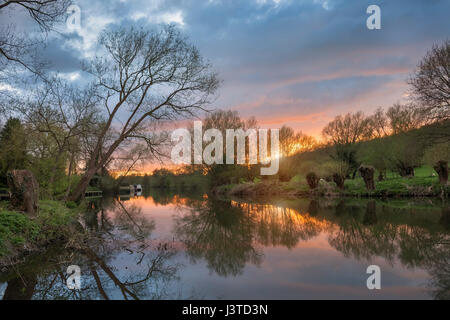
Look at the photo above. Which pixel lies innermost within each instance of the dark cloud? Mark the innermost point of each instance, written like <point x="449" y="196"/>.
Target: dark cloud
<point x="285" y="58"/>
<point x="60" y="56"/>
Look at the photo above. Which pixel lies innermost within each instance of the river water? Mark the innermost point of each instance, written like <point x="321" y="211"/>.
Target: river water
<point x="185" y="246"/>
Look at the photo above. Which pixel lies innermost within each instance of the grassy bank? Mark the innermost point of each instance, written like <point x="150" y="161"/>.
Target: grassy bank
<point x="424" y="184"/>
<point x="21" y="234"/>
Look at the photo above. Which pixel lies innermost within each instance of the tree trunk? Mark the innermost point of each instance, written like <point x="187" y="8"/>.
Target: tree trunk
<point x="78" y="193"/>
<point x="71" y="163"/>
<point x="339" y="180"/>
<point x="370" y="218"/>
<point x="51" y="180"/>
<point x="313" y="180"/>
<point x="368" y="173"/>
<point x="24" y="191"/>
<point x="405" y="171"/>
<point x="442" y="170"/>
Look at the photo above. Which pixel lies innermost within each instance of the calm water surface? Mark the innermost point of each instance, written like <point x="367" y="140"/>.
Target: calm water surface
<point x="169" y="246"/>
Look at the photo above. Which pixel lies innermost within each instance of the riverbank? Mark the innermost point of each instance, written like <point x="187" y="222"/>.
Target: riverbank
<point x="21" y="235"/>
<point x="390" y="188"/>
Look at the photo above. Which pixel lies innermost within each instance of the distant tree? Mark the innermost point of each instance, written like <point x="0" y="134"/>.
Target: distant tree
<point x="222" y="173"/>
<point x="223" y="120"/>
<point x="288" y="141"/>
<point x="379" y="123"/>
<point x="431" y="83"/>
<point x="344" y="132"/>
<point x="162" y="177"/>
<point x="436" y="152"/>
<point x="403" y="118"/>
<point x="404" y="153"/>
<point x="292" y="143"/>
<point x="348" y="129"/>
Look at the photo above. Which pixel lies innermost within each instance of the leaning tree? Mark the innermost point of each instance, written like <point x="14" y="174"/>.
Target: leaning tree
<point x="143" y="77"/>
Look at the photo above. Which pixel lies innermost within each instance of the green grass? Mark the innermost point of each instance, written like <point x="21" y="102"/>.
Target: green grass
<point x="17" y="229"/>
<point x="422" y="184"/>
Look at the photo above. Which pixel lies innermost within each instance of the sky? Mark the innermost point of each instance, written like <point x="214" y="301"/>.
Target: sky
<point x="293" y="62"/>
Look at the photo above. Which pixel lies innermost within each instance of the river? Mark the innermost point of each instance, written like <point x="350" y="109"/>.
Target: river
<point x="185" y="246"/>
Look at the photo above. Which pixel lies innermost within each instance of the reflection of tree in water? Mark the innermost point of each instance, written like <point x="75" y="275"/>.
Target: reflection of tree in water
<point x="147" y="276"/>
<point x="439" y="265"/>
<point x="221" y="234"/>
<point x="96" y="217"/>
<point x="414" y="238"/>
<point x="132" y="221"/>
<point x="163" y="196"/>
<point x="440" y="276"/>
<point x="226" y="233"/>
<point x="360" y="236"/>
<point x="280" y="226"/>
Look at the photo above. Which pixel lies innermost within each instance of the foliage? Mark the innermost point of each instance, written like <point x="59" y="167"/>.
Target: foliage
<point x="404" y="153"/>
<point x="13" y="148"/>
<point x="52" y="223"/>
<point x="16" y="229"/>
<point x="437" y="152"/>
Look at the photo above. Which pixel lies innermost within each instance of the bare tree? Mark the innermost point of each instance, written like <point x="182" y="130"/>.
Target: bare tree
<point x="431" y="83"/>
<point x="144" y="76"/>
<point x="293" y="143"/>
<point x="17" y="49"/>
<point x="344" y="133"/>
<point x="379" y="123"/>
<point x="350" y="129"/>
<point x="226" y="120"/>
<point x="403" y="118"/>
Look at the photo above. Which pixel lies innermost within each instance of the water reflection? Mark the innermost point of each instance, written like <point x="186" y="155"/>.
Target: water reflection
<point x="230" y="234"/>
<point x="220" y="233"/>
<point x="124" y="260"/>
<point x="117" y="232"/>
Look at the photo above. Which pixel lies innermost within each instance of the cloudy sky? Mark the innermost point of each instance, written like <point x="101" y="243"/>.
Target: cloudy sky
<point x="294" y="62"/>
